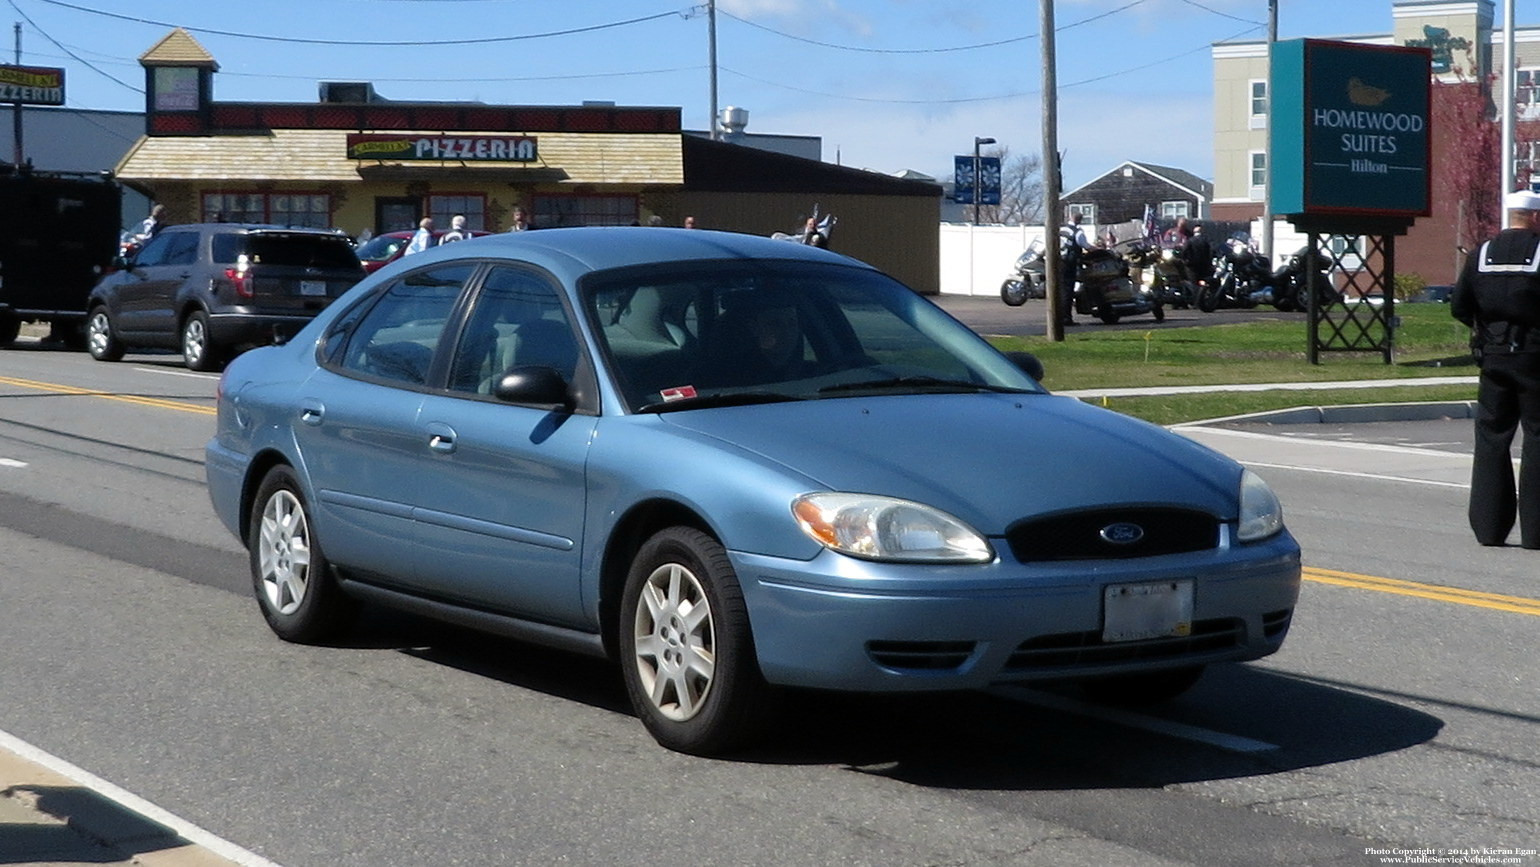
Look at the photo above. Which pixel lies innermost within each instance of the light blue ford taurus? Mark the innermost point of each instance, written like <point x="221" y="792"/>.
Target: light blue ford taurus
<point x="734" y="465"/>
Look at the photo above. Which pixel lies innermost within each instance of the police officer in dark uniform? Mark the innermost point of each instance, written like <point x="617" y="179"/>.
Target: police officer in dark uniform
<point x="1498" y="296"/>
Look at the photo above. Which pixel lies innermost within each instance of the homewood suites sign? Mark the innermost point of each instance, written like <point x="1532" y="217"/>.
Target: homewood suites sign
<point x="1350" y="129"/>
<point x="463" y="148"/>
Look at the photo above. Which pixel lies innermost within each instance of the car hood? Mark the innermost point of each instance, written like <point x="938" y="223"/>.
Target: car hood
<point x="989" y="459"/>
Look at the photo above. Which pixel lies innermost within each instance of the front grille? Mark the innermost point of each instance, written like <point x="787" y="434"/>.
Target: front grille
<point x="1071" y="649"/>
<point x="1079" y="535"/>
<point x="920" y="655"/>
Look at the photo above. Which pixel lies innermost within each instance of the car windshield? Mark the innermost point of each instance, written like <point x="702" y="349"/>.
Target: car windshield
<point x="380" y="248"/>
<point x="277" y="248"/>
<point x="691" y="335"/>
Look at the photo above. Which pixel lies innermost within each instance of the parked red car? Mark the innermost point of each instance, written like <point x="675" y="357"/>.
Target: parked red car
<point x="381" y="250"/>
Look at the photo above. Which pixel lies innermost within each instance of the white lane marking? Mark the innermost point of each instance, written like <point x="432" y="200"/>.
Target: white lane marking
<point x="164" y="371"/>
<point x="12" y="462"/>
<point x="1130" y="719"/>
<point x="1358" y="475"/>
<point x="181" y="827"/>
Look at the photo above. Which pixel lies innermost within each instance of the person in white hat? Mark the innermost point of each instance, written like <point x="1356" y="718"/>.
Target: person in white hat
<point x="1498" y="296"/>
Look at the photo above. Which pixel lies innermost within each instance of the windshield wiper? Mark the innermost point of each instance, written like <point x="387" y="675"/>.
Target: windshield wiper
<point x="739" y="398"/>
<point x="909" y="382"/>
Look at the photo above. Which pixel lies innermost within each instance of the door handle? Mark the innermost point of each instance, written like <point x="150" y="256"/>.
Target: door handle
<point x="311" y="412"/>
<point x="441" y="438"/>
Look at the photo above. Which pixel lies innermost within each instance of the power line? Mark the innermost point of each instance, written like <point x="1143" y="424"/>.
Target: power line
<point x="364" y="43"/>
<point x="88" y="64"/>
<point x="867" y="50"/>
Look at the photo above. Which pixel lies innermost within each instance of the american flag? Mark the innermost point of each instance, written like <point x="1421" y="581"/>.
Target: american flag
<point x="1151" y="237"/>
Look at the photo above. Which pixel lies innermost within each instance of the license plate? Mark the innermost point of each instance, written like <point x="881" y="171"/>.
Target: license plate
<point x="1155" y="609"/>
<point x="312" y="287"/>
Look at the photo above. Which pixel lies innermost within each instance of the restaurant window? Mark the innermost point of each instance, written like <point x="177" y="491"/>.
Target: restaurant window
<point x="311" y="210"/>
<point x="443" y="207"/>
<point x="551" y="211"/>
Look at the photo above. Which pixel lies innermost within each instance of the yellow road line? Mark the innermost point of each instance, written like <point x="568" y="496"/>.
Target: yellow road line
<point x="157" y="402"/>
<point x="1494" y="601"/>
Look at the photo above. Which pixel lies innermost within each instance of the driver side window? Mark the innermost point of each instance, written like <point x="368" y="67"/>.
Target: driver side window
<point x="396" y="339"/>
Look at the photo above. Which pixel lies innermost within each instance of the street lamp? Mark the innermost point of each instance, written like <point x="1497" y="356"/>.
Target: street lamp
<point x="978" y="192"/>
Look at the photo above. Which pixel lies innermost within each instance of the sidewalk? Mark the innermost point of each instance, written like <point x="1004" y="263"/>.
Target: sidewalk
<point x="52" y="813"/>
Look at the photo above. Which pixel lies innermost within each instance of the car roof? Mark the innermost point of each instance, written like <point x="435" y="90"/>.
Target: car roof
<point x="253" y="227"/>
<point x="600" y="248"/>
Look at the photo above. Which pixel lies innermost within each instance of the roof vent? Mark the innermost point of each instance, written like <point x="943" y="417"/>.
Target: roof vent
<point x="732" y="121"/>
<point x="348" y="91"/>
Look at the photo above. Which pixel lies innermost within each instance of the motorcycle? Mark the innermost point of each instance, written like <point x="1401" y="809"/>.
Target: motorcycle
<point x="1105" y="290"/>
<point x="1028" y="281"/>
<point x="1170" y="278"/>
<point x="1246" y="280"/>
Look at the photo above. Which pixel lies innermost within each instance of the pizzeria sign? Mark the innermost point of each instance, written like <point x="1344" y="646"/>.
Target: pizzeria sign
<point x="32" y="85"/>
<point x="461" y="148"/>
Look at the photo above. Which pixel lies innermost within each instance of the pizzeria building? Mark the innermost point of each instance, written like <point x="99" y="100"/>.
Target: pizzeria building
<point x="359" y="162"/>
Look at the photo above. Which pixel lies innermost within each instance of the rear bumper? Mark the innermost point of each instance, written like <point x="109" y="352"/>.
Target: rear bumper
<point x="255" y="329"/>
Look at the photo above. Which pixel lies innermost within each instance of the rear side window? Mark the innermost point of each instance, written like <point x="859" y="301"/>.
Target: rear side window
<point x="300" y="251"/>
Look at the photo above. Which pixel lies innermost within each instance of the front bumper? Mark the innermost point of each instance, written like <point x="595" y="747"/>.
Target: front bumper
<point x="839" y="623"/>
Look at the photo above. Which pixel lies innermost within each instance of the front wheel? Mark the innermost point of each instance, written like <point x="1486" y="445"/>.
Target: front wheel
<point x="1108" y="315"/>
<point x="101" y="341"/>
<point x="1013" y="293"/>
<point x="1160" y="312"/>
<point x="687" y="654"/>
<point x="1208" y="298"/>
<point x="293" y="581"/>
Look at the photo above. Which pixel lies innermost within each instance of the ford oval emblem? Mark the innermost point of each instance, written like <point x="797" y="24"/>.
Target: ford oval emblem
<point x="1122" y="533"/>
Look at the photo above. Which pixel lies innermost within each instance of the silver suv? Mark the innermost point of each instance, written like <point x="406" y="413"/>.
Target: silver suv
<point x="214" y="289"/>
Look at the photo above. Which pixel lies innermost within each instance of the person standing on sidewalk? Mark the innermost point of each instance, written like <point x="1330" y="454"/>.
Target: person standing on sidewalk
<point x="1498" y="296"/>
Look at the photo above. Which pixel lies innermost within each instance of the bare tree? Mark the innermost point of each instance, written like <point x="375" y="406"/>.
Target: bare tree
<point x="1021" y="189"/>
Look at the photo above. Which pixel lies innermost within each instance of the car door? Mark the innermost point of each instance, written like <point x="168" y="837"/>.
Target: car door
<point x="500" y="515"/>
<point x="144" y="289"/>
<point x="359" y="428"/>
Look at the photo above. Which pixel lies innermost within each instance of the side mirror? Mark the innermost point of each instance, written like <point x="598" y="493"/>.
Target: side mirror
<point x="535" y="384"/>
<point x="1029" y="364"/>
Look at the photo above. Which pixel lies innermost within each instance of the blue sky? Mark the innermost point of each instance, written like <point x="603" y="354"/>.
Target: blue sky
<point x="888" y="84"/>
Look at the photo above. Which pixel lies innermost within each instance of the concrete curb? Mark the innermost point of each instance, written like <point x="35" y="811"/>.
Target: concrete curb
<point x="1350" y="413"/>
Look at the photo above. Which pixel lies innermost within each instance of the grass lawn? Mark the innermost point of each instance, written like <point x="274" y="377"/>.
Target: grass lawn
<point x="1429" y="342"/>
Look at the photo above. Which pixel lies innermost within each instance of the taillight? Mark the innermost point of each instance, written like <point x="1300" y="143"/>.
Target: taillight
<point x="240" y="277"/>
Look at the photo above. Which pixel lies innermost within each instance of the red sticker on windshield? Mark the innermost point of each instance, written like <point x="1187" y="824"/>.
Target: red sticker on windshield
<point x="683" y="392"/>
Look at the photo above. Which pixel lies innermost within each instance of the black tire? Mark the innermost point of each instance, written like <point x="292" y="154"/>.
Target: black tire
<point x="10" y="327"/>
<point x="1013" y="293"/>
<point x="1160" y="312"/>
<point x="101" y="339"/>
<point x="1208" y="298"/>
<point x="292" y="580"/>
<point x="198" y="350"/>
<point x="1107" y="315"/>
<point x="691" y="674"/>
<point x="1140" y="690"/>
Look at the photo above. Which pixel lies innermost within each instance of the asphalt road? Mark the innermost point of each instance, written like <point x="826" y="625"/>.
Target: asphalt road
<point x="1402" y="712"/>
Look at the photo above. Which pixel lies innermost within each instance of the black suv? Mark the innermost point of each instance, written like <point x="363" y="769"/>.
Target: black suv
<point x="213" y="289"/>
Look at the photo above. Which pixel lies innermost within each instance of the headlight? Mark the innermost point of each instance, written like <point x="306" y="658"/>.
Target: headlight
<point x="1261" y="513"/>
<point x="883" y="528"/>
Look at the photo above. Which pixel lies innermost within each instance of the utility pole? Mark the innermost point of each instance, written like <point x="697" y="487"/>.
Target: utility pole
<point x="711" y="28"/>
<point x="16" y="108"/>
<point x="1051" y="207"/>
<point x="1267" y="167"/>
<point x="1508" y="106"/>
